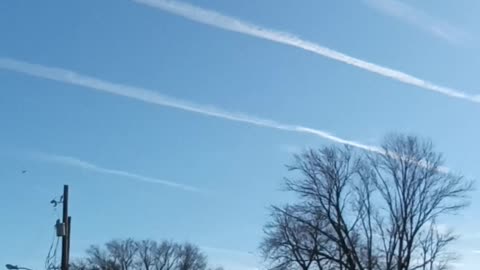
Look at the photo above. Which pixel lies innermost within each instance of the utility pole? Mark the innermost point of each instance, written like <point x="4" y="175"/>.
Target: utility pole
<point x="66" y="236"/>
<point x="69" y="223"/>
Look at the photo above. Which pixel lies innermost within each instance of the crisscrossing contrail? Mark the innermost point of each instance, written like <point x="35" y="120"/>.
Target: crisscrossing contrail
<point x="225" y="22"/>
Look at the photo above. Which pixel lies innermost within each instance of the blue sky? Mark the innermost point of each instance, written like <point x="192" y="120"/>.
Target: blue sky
<point x="219" y="173"/>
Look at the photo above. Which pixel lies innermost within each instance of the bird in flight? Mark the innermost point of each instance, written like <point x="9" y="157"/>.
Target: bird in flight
<point x="24" y="171"/>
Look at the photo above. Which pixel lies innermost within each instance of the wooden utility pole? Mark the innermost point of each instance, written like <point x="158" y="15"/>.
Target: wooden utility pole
<point x="66" y="237"/>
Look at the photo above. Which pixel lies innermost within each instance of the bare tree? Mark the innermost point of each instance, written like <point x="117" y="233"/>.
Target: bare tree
<point x="415" y="189"/>
<point x="166" y="256"/>
<point x="146" y="254"/>
<point x="123" y="252"/>
<point x="282" y="245"/>
<point x="433" y="244"/>
<point x="127" y="254"/>
<point x="291" y="243"/>
<point x="98" y="259"/>
<point x="327" y="194"/>
<point x="191" y="258"/>
<point x="373" y="210"/>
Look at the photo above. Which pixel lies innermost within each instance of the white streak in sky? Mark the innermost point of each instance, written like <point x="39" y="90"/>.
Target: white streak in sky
<point x="420" y="19"/>
<point x="215" y="19"/>
<point x="150" y="96"/>
<point x="85" y="165"/>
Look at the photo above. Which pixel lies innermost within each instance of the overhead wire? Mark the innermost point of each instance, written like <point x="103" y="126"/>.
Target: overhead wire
<point x="51" y="260"/>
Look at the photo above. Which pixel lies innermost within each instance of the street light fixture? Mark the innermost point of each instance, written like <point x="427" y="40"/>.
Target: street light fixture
<point x="16" y="267"/>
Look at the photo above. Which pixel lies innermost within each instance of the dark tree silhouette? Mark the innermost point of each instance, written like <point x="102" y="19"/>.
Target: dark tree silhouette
<point x="367" y="211"/>
<point x="128" y="254"/>
<point x="190" y="258"/>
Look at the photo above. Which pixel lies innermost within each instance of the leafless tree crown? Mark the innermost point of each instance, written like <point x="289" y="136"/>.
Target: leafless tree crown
<point x="366" y="211"/>
<point x="129" y="254"/>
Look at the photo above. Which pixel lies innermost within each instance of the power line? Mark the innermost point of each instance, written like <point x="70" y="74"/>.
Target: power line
<point x="51" y="261"/>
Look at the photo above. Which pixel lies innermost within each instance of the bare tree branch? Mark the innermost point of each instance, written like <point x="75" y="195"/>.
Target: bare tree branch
<point x="366" y="211"/>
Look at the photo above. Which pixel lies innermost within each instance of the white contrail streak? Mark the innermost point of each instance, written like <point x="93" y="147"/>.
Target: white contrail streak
<point x="219" y="20"/>
<point x="85" y="165"/>
<point x="420" y="19"/>
<point x="150" y="96"/>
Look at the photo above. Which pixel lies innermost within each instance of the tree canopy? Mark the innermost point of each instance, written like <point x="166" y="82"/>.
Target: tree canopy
<point x="362" y="210"/>
<point x="129" y="254"/>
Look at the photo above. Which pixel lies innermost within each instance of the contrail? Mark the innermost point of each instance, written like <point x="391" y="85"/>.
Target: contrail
<point x="78" y="163"/>
<point x="420" y="19"/>
<point x="150" y="96"/>
<point x="228" y="23"/>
